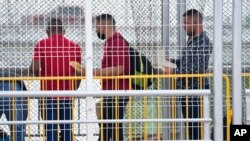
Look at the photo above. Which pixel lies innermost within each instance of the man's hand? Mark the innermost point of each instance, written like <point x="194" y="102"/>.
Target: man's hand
<point x="35" y="68"/>
<point x="168" y="70"/>
<point x="77" y="67"/>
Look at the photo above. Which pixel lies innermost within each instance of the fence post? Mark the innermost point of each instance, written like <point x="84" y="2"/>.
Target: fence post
<point x="89" y="66"/>
<point x="217" y="50"/>
<point x="181" y="38"/>
<point x="237" y="83"/>
<point x="165" y="82"/>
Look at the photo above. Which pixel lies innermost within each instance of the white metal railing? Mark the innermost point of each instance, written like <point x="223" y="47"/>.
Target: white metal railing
<point x="205" y="120"/>
<point x="95" y="93"/>
<point x="247" y="92"/>
<point x="138" y="93"/>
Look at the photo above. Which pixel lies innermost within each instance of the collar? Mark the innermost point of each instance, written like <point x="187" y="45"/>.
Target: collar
<point x="197" y="36"/>
<point x="115" y="35"/>
<point x="56" y="36"/>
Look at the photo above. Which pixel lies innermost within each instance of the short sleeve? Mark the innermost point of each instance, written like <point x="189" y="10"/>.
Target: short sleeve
<point x="38" y="51"/>
<point x="120" y="54"/>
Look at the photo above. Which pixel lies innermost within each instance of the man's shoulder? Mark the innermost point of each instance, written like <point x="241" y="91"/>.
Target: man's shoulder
<point x="204" y="37"/>
<point x="201" y="40"/>
<point x="118" y="40"/>
<point x="41" y="43"/>
<point x="73" y="44"/>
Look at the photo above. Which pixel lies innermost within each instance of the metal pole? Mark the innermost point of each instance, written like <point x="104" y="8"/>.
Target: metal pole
<point x="165" y="26"/>
<point x="206" y="110"/>
<point x="89" y="66"/>
<point x="206" y="120"/>
<point x="181" y="9"/>
<point x="181" y="6"/>
<point x="217" y="50"/>
<point x="98" y="93"/>
<point x="237" y="86"/>
<point x="165" y="82"/>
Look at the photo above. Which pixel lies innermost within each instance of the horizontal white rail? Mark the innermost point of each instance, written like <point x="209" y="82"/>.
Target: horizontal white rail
<point x="104" y="93"/>
<point x="105" y="121"/>
<point x="247" y="92"/>
<point x="189" y="140"/>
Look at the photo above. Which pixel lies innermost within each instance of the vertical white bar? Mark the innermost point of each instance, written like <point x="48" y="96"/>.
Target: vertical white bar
<point x="217" y="50"/>
<point x="206" y="109"/>
<point x="181" y="9"/>
<point x="165" y="27"/>
<point x="237" y="91"/>
<point x="181" y="5"/>
<point x="165" y="82"/>
<point x="248" y="108"/>
<point x="89" y="66"/>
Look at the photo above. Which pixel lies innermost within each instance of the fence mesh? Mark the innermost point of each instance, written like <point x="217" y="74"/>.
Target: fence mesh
<point x="23" y="23"/>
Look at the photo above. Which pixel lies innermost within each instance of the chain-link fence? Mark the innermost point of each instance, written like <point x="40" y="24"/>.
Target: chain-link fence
<point x="23" y="23"/>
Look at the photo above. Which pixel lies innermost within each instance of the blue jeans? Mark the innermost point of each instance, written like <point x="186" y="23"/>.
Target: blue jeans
<point x="51" y="110"/>
<point x="191" y="111"/>
<point x="20" y="110"/>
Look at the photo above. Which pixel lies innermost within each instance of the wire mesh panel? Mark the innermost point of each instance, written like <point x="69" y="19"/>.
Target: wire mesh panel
<point x="179" y="64"/>
<point x="245" y="50"/>
<point x="23" y="24"/>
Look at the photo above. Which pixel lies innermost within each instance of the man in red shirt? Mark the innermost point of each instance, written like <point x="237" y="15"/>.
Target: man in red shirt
<point x="115" y="61"/>
<point x="51" y="59"/>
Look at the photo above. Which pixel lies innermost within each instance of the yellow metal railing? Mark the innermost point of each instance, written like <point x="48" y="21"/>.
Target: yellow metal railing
<point x="116" y="78"/>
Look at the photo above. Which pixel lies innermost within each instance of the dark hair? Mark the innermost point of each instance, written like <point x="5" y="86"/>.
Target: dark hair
<point x="55" y="25"/>
<point x="106" y="17"/>
<point x="193" y="13"/>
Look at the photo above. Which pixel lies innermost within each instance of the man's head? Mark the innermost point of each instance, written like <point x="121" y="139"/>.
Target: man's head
<point x="105" y="25"/>
<point x="192" y="20"/>
<point x="54" y="27"/>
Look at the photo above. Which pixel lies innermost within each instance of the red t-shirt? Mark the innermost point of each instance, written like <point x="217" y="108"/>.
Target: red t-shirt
<point x="55" y="53"/>
<point x="116" y="52"/>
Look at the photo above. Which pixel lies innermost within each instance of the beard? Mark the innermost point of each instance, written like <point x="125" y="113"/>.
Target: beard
<point x="101" y="36"/>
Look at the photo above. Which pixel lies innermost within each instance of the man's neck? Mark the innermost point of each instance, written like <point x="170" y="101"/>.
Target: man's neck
<point x="197" y="33"/>
<point x="55" y="34"/>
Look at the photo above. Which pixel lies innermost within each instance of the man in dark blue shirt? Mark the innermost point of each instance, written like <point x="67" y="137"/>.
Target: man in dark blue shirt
<point x="194" y="60"/>
<point x="16" y="111"/>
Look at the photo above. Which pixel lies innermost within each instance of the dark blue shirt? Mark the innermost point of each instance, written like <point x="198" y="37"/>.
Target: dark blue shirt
<point x="194" y="60"/>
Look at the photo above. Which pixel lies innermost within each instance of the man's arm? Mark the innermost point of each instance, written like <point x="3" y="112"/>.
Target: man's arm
<point x="175" y="61"/>
<point x="77" y="81"/>
<point x="36" y="60"/>
<point x="78" y="60"/>
<point x="35" y="68"/>
<point x="109" y="71"/>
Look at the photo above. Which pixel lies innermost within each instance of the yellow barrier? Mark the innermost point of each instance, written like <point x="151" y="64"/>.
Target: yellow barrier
<point x="116" y="78"/>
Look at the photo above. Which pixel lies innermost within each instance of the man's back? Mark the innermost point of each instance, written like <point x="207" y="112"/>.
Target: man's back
<point x="55" y="53"/>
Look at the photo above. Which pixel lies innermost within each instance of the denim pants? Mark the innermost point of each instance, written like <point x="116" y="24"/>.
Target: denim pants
<point x="20" y="110"/>
<point x="50" y="110"/>
<point x="191" y="110"/>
